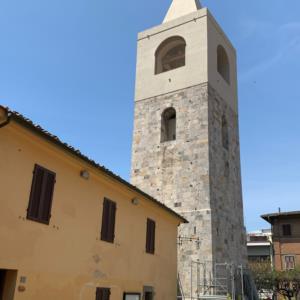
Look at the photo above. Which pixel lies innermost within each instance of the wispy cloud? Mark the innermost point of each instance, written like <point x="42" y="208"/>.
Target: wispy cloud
<point x="288" y="36"/>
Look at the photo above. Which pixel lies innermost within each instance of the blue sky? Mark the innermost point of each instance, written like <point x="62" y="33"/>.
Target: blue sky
<point x="69" y="65"/>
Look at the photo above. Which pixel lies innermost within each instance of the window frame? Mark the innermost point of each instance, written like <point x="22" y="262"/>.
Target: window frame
<point x="42" y="197"/>
<point x="285" y="262"/>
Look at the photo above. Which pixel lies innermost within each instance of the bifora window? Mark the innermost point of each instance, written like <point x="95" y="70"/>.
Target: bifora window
<point x="170" y="55"/>
<point x="223" y="64"/>
<point x="40" y="202"/>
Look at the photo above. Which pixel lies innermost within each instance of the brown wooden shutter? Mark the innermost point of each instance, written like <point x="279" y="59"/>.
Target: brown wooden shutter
<point x="112" y="221"/>
<point x="105" y="217"/>
<point x="108" y="221"/>
<point x="40" y="202"/>
<point x="150" y="237"/>
<point x="46" y="201"/>
<point x="36" y="192"/>
<point x="152" y="249"/>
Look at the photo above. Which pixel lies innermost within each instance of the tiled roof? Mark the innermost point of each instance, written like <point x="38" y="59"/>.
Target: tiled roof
<point x="27" y="123"/>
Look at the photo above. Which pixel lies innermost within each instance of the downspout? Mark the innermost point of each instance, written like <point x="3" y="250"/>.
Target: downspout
<point x="4" y="117"/>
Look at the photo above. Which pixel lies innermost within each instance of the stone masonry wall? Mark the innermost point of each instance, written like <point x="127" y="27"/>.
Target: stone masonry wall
<point x="188" y="174"/>
<point x="229" y="242"/>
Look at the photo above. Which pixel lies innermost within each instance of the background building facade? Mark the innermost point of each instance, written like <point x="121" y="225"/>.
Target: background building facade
<point x="286" y="239"/>
<point x="260" y="247"/>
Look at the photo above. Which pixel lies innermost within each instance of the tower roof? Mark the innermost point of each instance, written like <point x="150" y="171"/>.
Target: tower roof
<point x="180" y="8"/>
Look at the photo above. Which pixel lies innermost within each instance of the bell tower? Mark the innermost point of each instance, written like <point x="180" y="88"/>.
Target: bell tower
<point x="186" y="149"/>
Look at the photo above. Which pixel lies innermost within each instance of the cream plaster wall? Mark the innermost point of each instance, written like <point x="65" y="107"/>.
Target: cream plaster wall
<point x="66" y="260"/>
<point x="217" y="37"/>
<point x="202" y="35"/>
<point x="194" y="72"/>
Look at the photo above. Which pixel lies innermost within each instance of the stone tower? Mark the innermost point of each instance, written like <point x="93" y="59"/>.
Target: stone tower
<point x="186" y="149"/>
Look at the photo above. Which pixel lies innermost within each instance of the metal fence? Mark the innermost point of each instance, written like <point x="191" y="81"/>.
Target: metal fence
<point x="220" y="281"/>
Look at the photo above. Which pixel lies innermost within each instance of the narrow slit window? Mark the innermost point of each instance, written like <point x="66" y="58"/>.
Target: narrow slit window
<point x="41" y="195"/>
<point x="168" y="125"/>
<point x="170" y="55"/>
<point x="225" y="133"/>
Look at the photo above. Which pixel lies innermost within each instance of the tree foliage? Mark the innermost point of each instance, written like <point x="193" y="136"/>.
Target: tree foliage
<point x="286" y="283"/>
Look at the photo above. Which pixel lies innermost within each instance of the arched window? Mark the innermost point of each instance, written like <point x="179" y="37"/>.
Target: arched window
<point x="225" y="133"/>
<point x="223" y="64"/>
<point x="170" y="55"/>
<point x="168" y="125"/>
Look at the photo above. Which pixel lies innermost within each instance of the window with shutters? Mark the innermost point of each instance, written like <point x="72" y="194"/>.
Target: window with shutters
<point x="41" y="195"/>
<point x="289" y="262"/>
<point x="150" y="237"/>
<point x="108" y="221"/>
<point x="102" y="294"/>
<point x="286" y="230"/>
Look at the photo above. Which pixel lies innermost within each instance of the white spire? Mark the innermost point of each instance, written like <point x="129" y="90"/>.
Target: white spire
<point x="180" y="8"/>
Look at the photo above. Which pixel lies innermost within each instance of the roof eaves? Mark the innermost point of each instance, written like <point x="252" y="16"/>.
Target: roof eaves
<point x="19" y="118"/>
<point x="270" y="217"/>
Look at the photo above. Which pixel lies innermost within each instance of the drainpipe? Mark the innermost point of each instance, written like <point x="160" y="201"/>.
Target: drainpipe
<point x="4" y="116"/>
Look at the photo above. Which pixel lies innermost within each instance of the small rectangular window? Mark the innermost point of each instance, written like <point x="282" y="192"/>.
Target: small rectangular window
<point x="289" y="262"/>
<point x="286" y="230"/>
<point x="150" y="237"/>
<point x="102" y="294"/>
<point x="132" y="296"/>
<point x="42" y="188"/>
<point x="108" y="221"/>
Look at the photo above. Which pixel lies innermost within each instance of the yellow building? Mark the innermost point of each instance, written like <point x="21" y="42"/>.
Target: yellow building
<point x="71" y="229"/>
